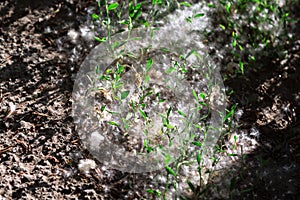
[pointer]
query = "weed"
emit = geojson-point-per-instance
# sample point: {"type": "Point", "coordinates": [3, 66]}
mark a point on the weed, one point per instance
{"type": "Point", "coordinates": [136, 96]}
{"type": "Point", "coordinates": [253, 25]}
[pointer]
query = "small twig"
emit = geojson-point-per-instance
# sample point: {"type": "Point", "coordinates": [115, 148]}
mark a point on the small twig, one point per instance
{"type": "Point", "coordinates": [5, 149]}
{"type": "Point", "coordinates": [5, 60]}
{"type": "Point", "coordinates": [41, 114]}
{"type": "Point", "coordinates": [23, 144]}
{"type": "Point", "coordinates": [75, 141]}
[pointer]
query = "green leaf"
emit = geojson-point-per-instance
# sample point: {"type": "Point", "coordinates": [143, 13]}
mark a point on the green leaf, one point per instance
{"type": "Point", "coordinates": [146, 24]}
{"type": "Point", "coordinates": [117, 77]}
{"type": "Point", "coordinates": [120, 68]}
{"type": "Point", "coordinates": [149, 149]}
{"type": "Point", "coordinates": [102, 108]}
{"type": "Point", "coordinates": [190, 53]}
{"type": "Point", "coordinates": [148, 93]}
{"type": "Point", "coordinates": [230, 113]}
{"type": "Point", "coordinates": [188, 19]}
{"type": "Point", "coordinates": [198, 158]}
{"type": "Point", "coordinates": [147, 78]}
{"type": "Point", "coordinates": [111, 112]}
{"type": "Point", "coordinates": [132, 105]}
{"type": "Point", "coordinates": [138, 6]}
{"type": "Point", "coordinates": [149, 64]}
{"type": "Point", "coordinates": [169, 111]}
{"type": "Point", "coordinates": [168, 71]}
{"type": "Point", "coordinates": [228, 7]}
{"type": "Point", "coordinates": [241, 66]}
{"type": "Point", "coordinates": [202, 95]}
{"type": "Point", "coordinates": [124, 94]}
{"type": "Point", "coordinates": [198, 144]}
{"type": "Point", "coordinates": [97, 70]}
{"type": "Point", "coordinates": [197, 126]}
{"type": "Point", "coordinates": [119, 85]}
{"type": "Point", "coordinates": [94, 16]}
{"type": "Point", "coordinates": [136, 15]}
{"type": "Point", "coordinates": [195, 95]}
{"type": "Point", "coordinates": [167, 159]}
{"type": "Point", "coordinates": [185, 4]}
{"type": "Point", "coordinates": [232, 154]}
{"type": "Point", "coordinates": [100, 39]}
{"type": "Point", "coordinates": [170, 171]}
{"type": "Point", "coordinates": [151, 191]}
{"type": "Point", "coordinates": [156, 192]}
{"type": "Point", "coordinates": [191, 185]}
{"type": "Point", "coordinates": [126, 126]}
{"type": "Point", "coordinates": [103, 77]}
{"type": "Point", "coordinates": [113, 123]}
{"type": "Point", "coordinates": [116, 45]}
{"type": "Point", "coordinates": [181, 113]}
{"type": "Point", "coordinates": [198, 15]}
{"type": "Point", "coordinates": [164, 119]}
{"type": "Point", "coordinates": [234, 34]}
{"type": "Point", "coordinates": [202, 103]}
{"type": "Point", "coordinates": [211, 5]}
{"type": "Point", "coordinates": [143, 114]}
{"type": "Point", "coordinates": [169, 126]}
{"type": "Point", "coordinates": [222, 26]}
{"type": "Point", "coordinates": [165, 50]}
{"type": "Point", "coordinates": [113, 6]}
{"type": "Point", "coordinates": [234, 42]}
{"type": "Point", "coordinates": [158, 2]}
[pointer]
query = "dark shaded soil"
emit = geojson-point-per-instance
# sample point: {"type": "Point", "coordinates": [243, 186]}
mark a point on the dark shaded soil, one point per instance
{"type": "Point", "coordinates": [39, 149]}
{"type": "Point", "coordinates": [270, 96]}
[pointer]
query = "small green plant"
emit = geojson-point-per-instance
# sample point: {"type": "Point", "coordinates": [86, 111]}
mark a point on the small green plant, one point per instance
{"type": "Point", "coordinates": [132, 110]}
{"type": "Point", "coordinates": [123, 108]}
{"type": "Point", "coordinates": [159, 131]}
{"type": "Point", "coordinates": [252, 24]}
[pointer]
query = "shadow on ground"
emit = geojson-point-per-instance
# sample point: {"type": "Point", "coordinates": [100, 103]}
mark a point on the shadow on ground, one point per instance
{"type": "Point", "coordinates": [269, 95]}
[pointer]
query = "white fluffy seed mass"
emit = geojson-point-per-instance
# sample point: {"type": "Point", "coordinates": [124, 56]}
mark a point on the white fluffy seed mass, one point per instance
{"type": "Point", "coordinates": [85, 165]}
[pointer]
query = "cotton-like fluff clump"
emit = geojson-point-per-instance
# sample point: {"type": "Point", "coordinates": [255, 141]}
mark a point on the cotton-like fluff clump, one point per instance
{"type": "Point", "coordinates": [86, 165]}
{"type": "Point", "coordinates": [87, 33]}
{"type": "Point", "coordinates": [182, 34]}
{"type": "Point", "coordinates": [177, 35]}
{"type": "Point", "coordinates": [254, 132]}
{"type": "Point", "coordinates": [73, 35]}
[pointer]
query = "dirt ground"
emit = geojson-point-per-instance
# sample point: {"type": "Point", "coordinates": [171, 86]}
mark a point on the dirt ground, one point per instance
{"type": "Point", "coordinates": [40, 150]}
